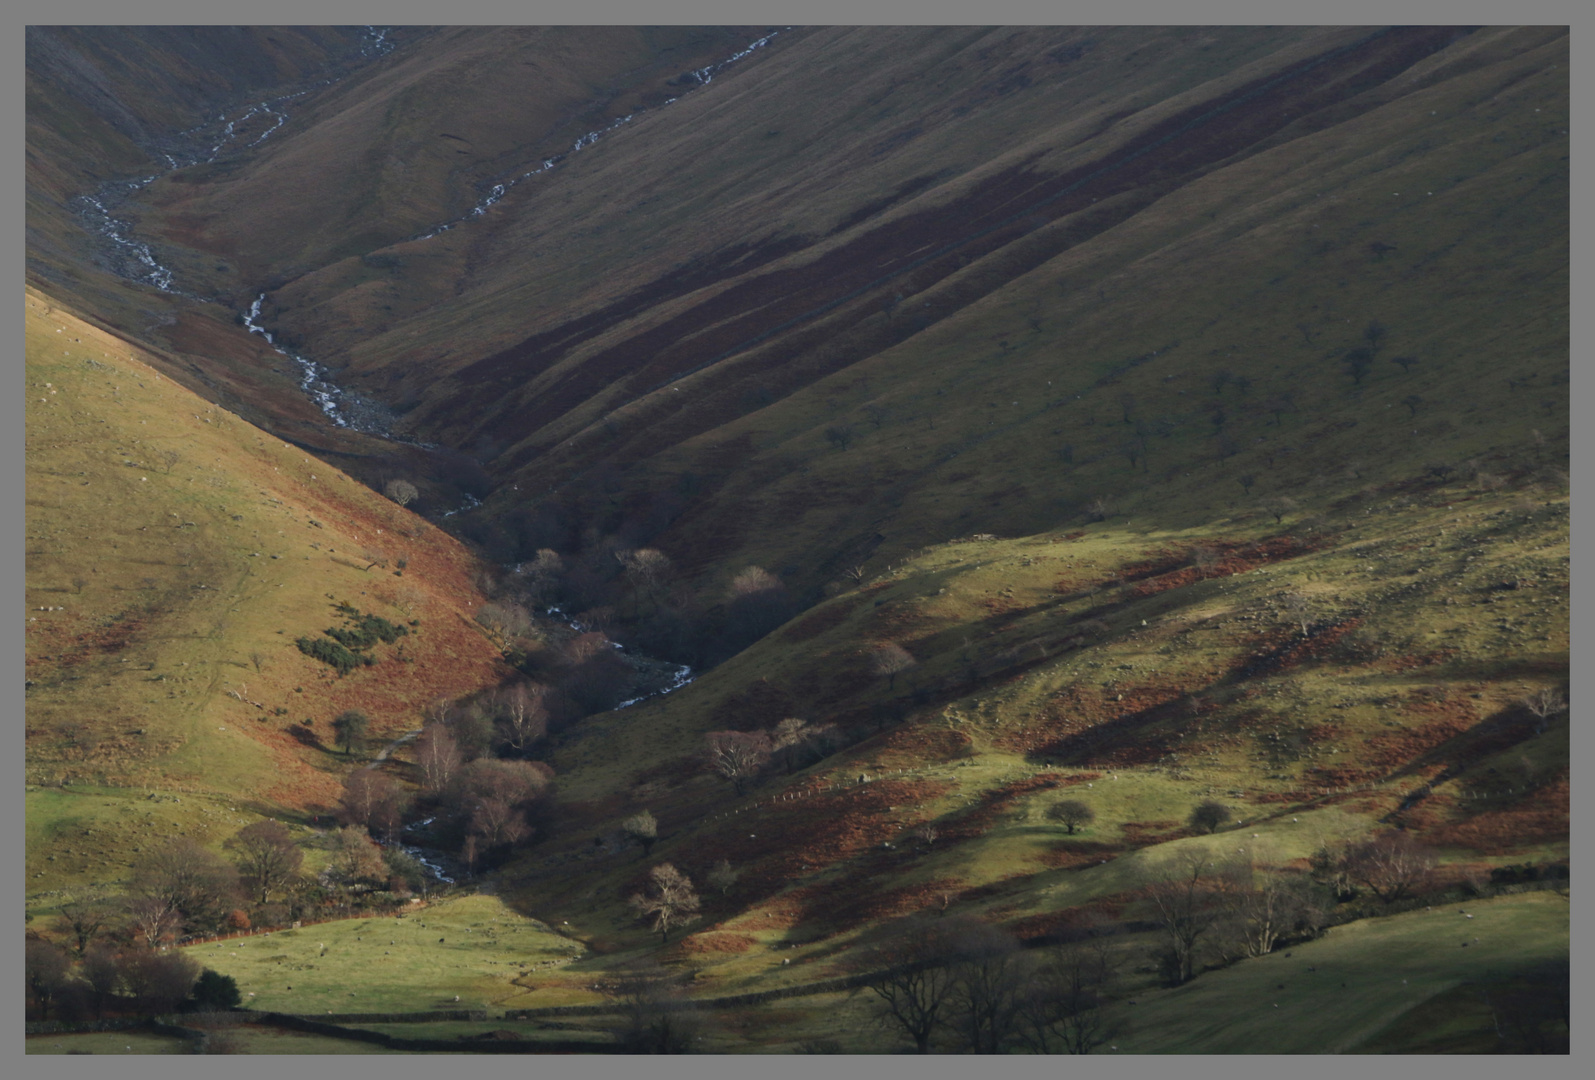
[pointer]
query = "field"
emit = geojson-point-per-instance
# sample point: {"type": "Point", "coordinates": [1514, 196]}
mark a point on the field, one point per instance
{"type": "Point", "coordinates": [473, 948]}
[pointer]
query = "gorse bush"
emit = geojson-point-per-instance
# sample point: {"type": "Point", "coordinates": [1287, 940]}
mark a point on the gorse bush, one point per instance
{"type": "Point", "coordinates": [332, 654]}
{"type": "Point", "coordinates": [346, 648]}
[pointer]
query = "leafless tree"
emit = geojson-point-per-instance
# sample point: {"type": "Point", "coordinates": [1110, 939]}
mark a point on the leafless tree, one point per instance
{"type": "Point", "coordinates": [84, 919]}
{"type": "Point", "coordinates": [1064, 1008]}
{"type": "Point", "coordinates": [356, 861]}
{"type": "Point", "coordinates": [669, 902]}
{"type": "Point", "coordinates": [1187, 907]}
{"type": "Point", "coordinates": [1205, 558]}
{"type": "Point", "coordinates": [912, 982]}
{"type": "Point", "coordinates": [657, 1018]}
{"type": "Point", "coordinates": [642, 829]}
{"type": "Point", "coordinates": [170, 458]}
{"type": "Point", "coordinates": [371, 800]}
{"type": "Point", "coordinates": [1071, 814]}
{"type": "Point", "coordinates": [505, 618]}
{"type": "Point", "coordinates": [267, 857]}
{"type": "Point", "coordinates": [1265, 906]}
{"type": "Point", "coordinates": [840, 435]}
{"type": "Point", "coordinates": [1392, 864]}
{"type": "Point", "coordinates": [438, 756]}
{"type": "Point", "coordinates": [790, 734]}
{"type": "Point", "coordinates": [497, 822]}
{"type": "Point", "coordinates": [988, 987]}
{"type": "Point", "coordinates": [374, 556]}
{"type": "Point", "coordinates": [890, 659]}
{"type": "Point", "coordinates": [400, 491]}
{"type": "Point", "coordinates": [647, 572]}
{"type": "Point", "coordinates": [185, 878]}
{"type": "Point", "coordinates": [1298, 609]}
{"type": "Point", "coordinates": [543, 576]}
{"type": "Point", "coordinates": [525, 714]}
{"type": "Point", "coordinates": [101, 972]}
{"type": "Point", "coordinates": [737, 755]}
{"type": "Point", "coordinates": [159, 982]}
{"type": "Point", "coordinates": [1544, 704]}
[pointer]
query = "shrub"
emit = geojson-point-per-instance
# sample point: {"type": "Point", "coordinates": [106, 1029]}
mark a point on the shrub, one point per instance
{"type": "Point", "coordinates": [1209, 816]}
{"type": "Point", "coordinates": [214, 991]}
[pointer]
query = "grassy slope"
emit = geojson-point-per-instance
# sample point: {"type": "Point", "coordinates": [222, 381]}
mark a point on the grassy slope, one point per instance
{"type": "Point", "coordinates": [470, 946]}
{"type": "Point", "coordinates": [418, 139]}
{"type": "Point", "coordinates": [1368, 975]}
{"type": "Point", "coordinates": [155, 591]}
{"type": "Point", "coordinates": [1216, 276]}
{"type": "Point", "coordinates": [1411, 678]}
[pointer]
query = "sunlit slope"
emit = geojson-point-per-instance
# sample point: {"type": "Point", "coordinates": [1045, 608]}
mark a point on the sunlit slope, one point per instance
{"type": "Point", "coordinates": [174, 555]}
{"type": "Point", "coordinates": [1322, 681]}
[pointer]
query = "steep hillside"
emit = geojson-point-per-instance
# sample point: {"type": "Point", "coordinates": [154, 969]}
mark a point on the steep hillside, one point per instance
{"type": "Point", "coordinates": [1075, 241]}
{"type": "Point", "coordinates": [175, 554]}
{"type": "Point", "coordinates": [1012, 410]}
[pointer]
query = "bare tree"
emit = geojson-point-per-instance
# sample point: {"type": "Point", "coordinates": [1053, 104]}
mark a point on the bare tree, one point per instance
{"type": "Point", "coordinates": [840, 435]}
{"type": "Point", "coordinates": [790, 735]}
{"type": "Point", "coordinates": [1206, 559]}
{"type": "Point", "coordinates": [913, 983]}
{"type": "Point", "coordinates": [152, 918]}
{"type": "Point", "coordinates": [525, 714]}
{"type": "Point", "coordinates": [356, 861]}
{"type": "Point", "coordinates": [890, 659]}
{"type": "Point", "coordinates": [1187, 907]}
{"type": "Point", "coordinates": [400, 491]}
{"type": "Point", "coordinates": [438, 756]}
{"type": "Point", "coordinates": [371, 800]}
{"type": "Point", "coordinates": [159, 982]}
{"type": "Point", "coordinates": [1374, 334]}
{"type": "Point", "coordinates": [185, 878]}
{"type": "Point", "coordinates": [670, 901]}
{"type": "Point", "coordinates": [737, 755]}
{"type": "Point", "coordinates": [1265, 906]}
{"type": "Point", "coordinates": [647, 572]}
{"type": "Point", "coordinates": [1544, 704]}
{"type": "Point", "coordinates": [642, 829]}
{"type": "Point", "coordinates": [1404, 362]}
{"type": "Point", "coordinates": [170, 458]}
{"type": "Point", "coordinates": [1298, 609]}
{"type": "Point", "coordinates": [85, 919]}
{"type": "Point", "coordinates": [267, 857]}
{"type": "Point", "coordinates": [657, 1018]}
{"type": "Point", "coordinates": [497, 822]}
{"type": "Point", "coordinates": [1071, 814]}
{"type": "Point", "coordinates": [1391, 864]}
{"type": "Point", "coordinates": [988, 987]}
{"type": "Point", "coordinates": [1064, 1007]}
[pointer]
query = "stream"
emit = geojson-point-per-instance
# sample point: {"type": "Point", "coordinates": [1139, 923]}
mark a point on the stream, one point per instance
{"type": "Point", "coordinates": [204, 143]}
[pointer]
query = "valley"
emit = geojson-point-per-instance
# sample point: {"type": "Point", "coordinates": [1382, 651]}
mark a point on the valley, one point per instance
{"type": "Point", "coordinates": [788, 521]}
